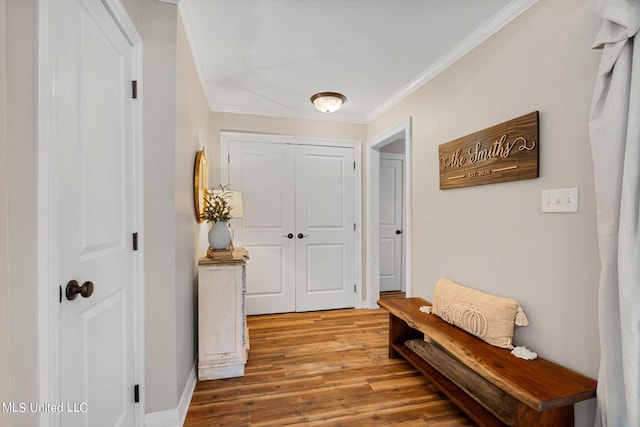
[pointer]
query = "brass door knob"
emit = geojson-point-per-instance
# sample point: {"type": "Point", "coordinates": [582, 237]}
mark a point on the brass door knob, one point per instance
{"type": "Point", "coordinates": [73, 289]}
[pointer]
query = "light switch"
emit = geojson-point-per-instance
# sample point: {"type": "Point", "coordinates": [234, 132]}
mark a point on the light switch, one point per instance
{"type": "Point", "coordinates": [560, 200]}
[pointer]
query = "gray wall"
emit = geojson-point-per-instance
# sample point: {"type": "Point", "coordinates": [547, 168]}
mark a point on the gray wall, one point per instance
{"type": "Point", "coordinates": [21, 27]}
{"type": "Point", "coordinates": [158, 29]}
{"type": "Point", "coordinates": [193, 132]}
{"type": "Point", "coordinates": [494, 237]}
{"type": "Point", "coordinates": [5, 395]}
{"type": "Point", "coordinates": [396, 147]}
{"type": "Point", "coordinates": [175, 127]}
{"type": "Point", "coordinates": [169, 269]}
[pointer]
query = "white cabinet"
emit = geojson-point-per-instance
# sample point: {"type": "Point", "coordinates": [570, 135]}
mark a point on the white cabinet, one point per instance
{"type": "Point", "coordinates": [223, 339]}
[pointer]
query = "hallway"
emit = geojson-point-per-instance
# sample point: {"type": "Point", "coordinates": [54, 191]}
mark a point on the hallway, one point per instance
{"type": "Point", "coordinates": [322, 368]}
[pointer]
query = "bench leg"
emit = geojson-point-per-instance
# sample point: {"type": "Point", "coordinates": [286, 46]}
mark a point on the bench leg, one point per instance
{"type": "Point", "coordinates": [399, 333]}
{"type": "Point", "coordinates": [526, 416]}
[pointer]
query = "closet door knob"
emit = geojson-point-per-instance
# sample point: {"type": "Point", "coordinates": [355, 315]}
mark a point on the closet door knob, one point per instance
{"type": "Point", "coordinates": [288, 236]}
{"type": "Point", "coordinates": [302, 236]}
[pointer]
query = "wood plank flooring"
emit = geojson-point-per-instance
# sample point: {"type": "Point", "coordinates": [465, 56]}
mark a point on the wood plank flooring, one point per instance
{"type": "Point", "coordinates": [392, 294]}
{"type": "Point", "coordinates": [327, 368]}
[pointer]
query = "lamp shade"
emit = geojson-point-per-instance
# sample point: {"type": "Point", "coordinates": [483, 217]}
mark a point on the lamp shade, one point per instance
{"type": "Point", "coordinates": [328, 102]}
{"type": "Point", "coordinates": [235, 202]}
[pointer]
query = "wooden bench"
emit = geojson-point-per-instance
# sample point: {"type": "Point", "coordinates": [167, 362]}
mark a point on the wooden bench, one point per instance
{"type": "Point", "coordinates": [491, 385]}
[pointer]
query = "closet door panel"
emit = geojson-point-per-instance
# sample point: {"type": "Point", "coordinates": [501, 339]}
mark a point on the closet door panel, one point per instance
{"type": "Point", "coordinates": [325, 217]}
{"type": "Point", "coordinates": [265, 175]}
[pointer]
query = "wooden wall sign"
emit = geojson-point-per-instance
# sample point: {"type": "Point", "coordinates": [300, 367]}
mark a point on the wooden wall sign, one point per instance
{"type": "Point", "coordinates": [501, 153]}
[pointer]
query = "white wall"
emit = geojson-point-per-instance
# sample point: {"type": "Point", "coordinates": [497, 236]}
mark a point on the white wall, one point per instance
{"type": "Point", "coordinates": [5, 390]}
{"type": "Point", "coordinates": [494, 237]}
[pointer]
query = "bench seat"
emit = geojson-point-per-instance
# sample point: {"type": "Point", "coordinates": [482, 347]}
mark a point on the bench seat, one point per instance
{"type": "Point", "coordinates": [491, 385]}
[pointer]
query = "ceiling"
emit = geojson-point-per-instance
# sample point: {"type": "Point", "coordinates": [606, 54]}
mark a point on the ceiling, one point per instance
{"type": "Point", "coordinates": [268, 57]}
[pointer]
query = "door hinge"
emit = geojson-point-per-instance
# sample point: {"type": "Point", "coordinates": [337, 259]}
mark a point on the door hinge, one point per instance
{"type": "Point", "coordinates": [134, 89]}
{"type": "Point", "coordinates": [135, 241]}
{"type": "Point", "coordinates": [354, 226]}
{"type": "Point", "coordinates": [354, 165]}
{"type": "Point", "coordinates": [136, 393]}
{"type": "Point", "coordinates": [229, 158]}
{"type": "Point", "coordinates": [60, 296]}
{"type": "Point", "coordinates": [355, 287]}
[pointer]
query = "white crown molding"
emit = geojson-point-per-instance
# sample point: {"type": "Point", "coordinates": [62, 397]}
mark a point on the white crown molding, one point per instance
{"type": "Point", "coordinates": [508, 14]}
{"type": "Point", "coordinates": [170, 1]}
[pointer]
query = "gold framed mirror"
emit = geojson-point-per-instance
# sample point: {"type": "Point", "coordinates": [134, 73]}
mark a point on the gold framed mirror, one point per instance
{"type": "Point", "coordinates": [200, 184]}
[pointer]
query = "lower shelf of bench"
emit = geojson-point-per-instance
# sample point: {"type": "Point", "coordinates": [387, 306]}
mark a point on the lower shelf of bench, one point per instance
{"type": "Point", "coordinates": [472, 408]}
{"type": "Point", "coordinates": [522, 414]}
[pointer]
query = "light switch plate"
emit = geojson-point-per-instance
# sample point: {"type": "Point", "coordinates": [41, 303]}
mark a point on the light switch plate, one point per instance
{"type": "Point", "coordinates": [560, 200]}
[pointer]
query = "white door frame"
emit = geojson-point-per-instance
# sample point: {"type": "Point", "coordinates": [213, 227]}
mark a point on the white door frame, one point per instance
{"type": "Point", "coordinates": [227, 137]}
{"type": "Point", "coordinates": [372, 183]}
{"type": "Point", "coordinates": [48, 290]}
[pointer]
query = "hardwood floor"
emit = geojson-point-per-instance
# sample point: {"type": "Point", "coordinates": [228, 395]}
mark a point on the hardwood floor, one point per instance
{"type": "Point", "coordinates": [392, 294]}
{"type": "Point", "coordinates": [326, 368]}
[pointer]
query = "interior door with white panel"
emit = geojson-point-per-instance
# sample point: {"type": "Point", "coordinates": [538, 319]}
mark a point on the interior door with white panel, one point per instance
{"type": "Point", "coordinates": [298, 224]}
{"type": "Point", "coordinates": [265, 175]}
{"type": "Point", "coordinates": [325, 228]}
{"type": "Point", "coordinates": [94, 210]}
{"type": "Point", "coordinates": [391, 202]}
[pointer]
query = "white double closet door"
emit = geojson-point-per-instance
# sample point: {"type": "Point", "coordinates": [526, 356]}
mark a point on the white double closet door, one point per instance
{"type": "Point", "coordinates": [298, 225]}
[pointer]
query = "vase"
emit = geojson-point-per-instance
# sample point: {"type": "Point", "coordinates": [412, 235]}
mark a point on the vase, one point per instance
{"type": "Point", "coordinates": [219, 236]}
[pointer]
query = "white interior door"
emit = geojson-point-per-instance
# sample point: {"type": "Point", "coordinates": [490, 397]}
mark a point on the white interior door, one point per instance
{"type": "Point", "coordinates": [265, 175]}
{"type": "Point", "coordinates": [391, 202]}
{"type": "Point", "coordinates": [325, 220]}
{"type": "Point", "coordinates": [94, 211]}
{"type": "Point", "coordinates": [289, 191]}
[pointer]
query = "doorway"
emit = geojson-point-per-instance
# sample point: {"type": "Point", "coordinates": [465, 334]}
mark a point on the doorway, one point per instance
{"type": "Point", "coordinates": [401, 131]}
{"type": "Point", "coordinates": [89, 207]}
{"type": "Point", "coordinates": [392, 159]}
{"type": "Point", "coordinates": [300, 222]}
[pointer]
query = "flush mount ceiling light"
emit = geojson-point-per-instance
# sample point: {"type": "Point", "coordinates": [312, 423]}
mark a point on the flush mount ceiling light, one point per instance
{"type": "Point", "coordinates": [328, 102]}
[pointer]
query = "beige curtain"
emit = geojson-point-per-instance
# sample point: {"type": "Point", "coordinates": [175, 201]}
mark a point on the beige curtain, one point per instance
{"type": "Point", "coordinates": [614, 129]}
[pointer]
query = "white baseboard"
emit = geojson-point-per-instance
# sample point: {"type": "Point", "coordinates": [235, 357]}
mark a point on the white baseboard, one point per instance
{"type": "Point", "coordinates": [175, 417]}
{"type": "Point", "coordinates": [187, 393]}
{"type": "Point", "coordinates": [170, 418]}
